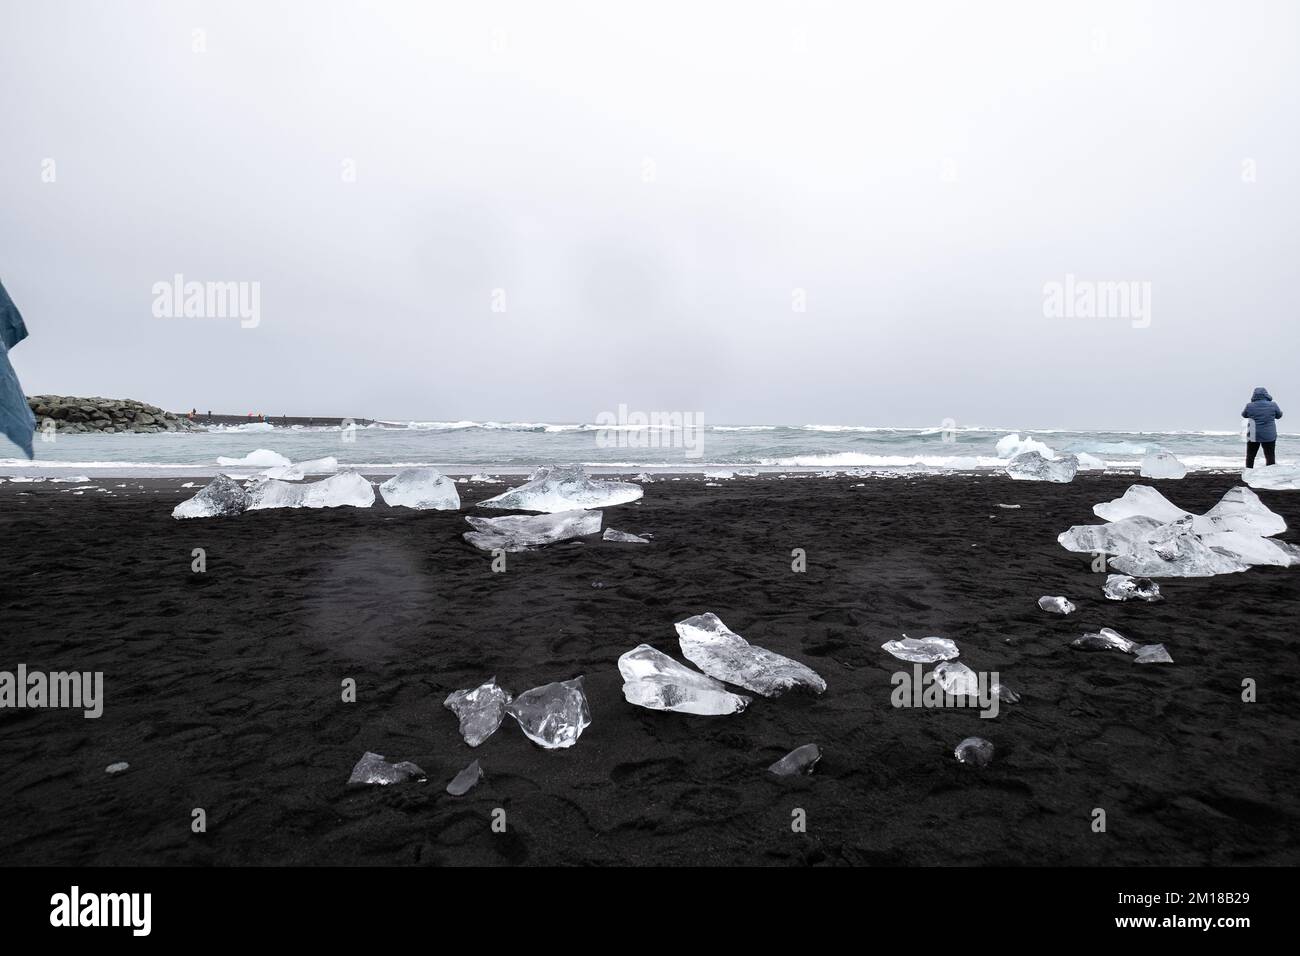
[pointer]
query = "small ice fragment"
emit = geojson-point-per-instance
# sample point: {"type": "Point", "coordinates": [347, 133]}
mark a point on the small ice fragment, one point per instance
{"type": "Point", "coordinates": [1107, 639]}
{"type": "Point", "coordinates": [482, 479]}
{"type": "Point", "coordinates": [1032, 466]}
{"type": "Point", "coordinates": [520, 532]}
{"type": "Point", "coordinates": [975, 751]}
{"type": "Point", "coordinates": [922, 650]}
{"type": "Point", "coordinates": [957, 679]}
{"type": "Point", "coordinates": [1005, 693]}
{"type": "Point", "coordinates": [480, 710]}
{"type": "Point", "coordinates": [720, 475]}
{"type": "Point", "coordinates": [747, 473]}
{"type": "Point", "coordinates": [1057, 605]}
{"type": "Point", "coordinates": [220, 497]}
{"type": "Point", "coordinates": [466, 780]}
{"type": "Point", "coordinates": [718, 651]}
{"type": "Point", "coordinates": [347, 489]}
{"type": "Point", "coordinates": [623, 536]}
{"type": "Point", "coordinates": [1000, 505]}
{"type": "Point", "coordinates": [644, 478]}
{"type": "Point", "coordinates": [1162, 464]}
{"type": "Point", "coordinates": [115, 768]}
{"type": "Point", "coordinates": [1124, 587]}
{"type": "Point", "coordinates": [801, 760]}
{"type": "Point", "coordinates": [373, 768]}
{"type": "Point", "coordinates": [424, 489]}
{"type": "Point", "coordinates": [554, 489]}
{"type": "Point", "coordinates": [1152, 654]}
{"type": "Point", "coordinates": [654, 680]}
{"type": "Point", "coordinates": [553, 715]}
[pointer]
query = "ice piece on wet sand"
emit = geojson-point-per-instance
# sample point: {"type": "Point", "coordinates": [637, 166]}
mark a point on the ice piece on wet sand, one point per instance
{"type": "Point", "coordinates": [347, 489]}
{"type": "Point", "coordinates": [1115, 537]}
{"type": "Point", "coordinates": [1140, 500]}
{"type": "Point", "coordinates": [262, 458]}
{"type": "Point", "coordinates": [1004, 693]}
{"type": "Point", "coordinates": [747, 473]}
{"type": "Point", "coordinates": [1175, 550]}
{"type": "Point", "coordinates": [425, 489]}
{"type": "Point", "coordinates": [285, 473]}
{"type": "Point", "coordinates": [220, 497]}
{"type": "Point", "coordinates": [715, 649]}
{"type": "Point", "coordinates": [553, 715]}
{"type": "Point", "coordinates": [957, 679]}
{"type": "Point", "coordinates": [1240, 510]}
{"type": "Point", "coordinates": [653, 679]}
{"type": "Point", "coordinates": [1152, 654]}
{"type": "Point", "coordinates": [466, 780]}
{"type": "Point", "coordinates": [1123, 587]}
{"type": "Point", "coordinates": [922, 650]}
{"type": "Point", "coordinates": [975, 751]}
{"type": "Point", "coordinates": [1107, 639]}
{"type": "Point", "coordinates": [373, 768]}
{"type": "Point", "coordinates": [720, 475]}
{"type": "Point", "coordinates": [1251, 549]}
{"type": "Point", "coordinates": [623, 536]}
{"type": "Point", "coordinates": [1000, 505]}
{"type": "Point", "coordinates": [480, 710]}
{"type": "Point", "coordinates": [1031, 466]}
{"type": "Point", "coordinates": [114, 769]}
{"type": "Point", "coordinates": [521, 532]}
{"type": "Point", "coordinates": [1161, 464]}
{"type": "Point", "coordinates": [556, 489]}
{"type": "Point", "coordinates": [1090, 462]}
{"type": "Point", "coordinates": [1057, 605]}
{"type": "Point", "coordinates": [801, 760]}
{"type": "Point", "coordinates": [1273, 477]}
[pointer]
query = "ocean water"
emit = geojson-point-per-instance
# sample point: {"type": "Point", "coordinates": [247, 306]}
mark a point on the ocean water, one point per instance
{"type": "Point", "coordinates": [467, 447]}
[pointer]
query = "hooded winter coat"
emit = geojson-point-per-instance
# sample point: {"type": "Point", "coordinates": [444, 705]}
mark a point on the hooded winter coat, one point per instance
{"type": "Point", "coordinates": [1264, 412]}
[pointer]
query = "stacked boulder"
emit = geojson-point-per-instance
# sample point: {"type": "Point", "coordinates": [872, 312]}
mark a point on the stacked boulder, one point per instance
{"type": "Point", "coordinates": [71, 414]}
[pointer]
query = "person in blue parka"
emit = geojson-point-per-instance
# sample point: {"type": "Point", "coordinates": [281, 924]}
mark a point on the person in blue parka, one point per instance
{"type": "Point", "coordinates": [1262, 427]}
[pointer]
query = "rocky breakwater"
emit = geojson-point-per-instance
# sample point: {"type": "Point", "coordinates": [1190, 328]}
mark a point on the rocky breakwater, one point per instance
{"type": "Point", "coordinates": [70, 414]}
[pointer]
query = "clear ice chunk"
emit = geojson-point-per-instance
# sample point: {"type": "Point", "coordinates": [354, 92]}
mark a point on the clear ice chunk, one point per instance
{"type": "Point", "coordinates": [1273, 477]}
{"type": "Point", "coordinates": [1107, 639]}
{"type": "Point", "coordinates": [801, 760]}
{"type": "Point", "coordinates": [1161, 464]}
{"type": "Point", "coordinates": [553, 715]}
{"type": "Point", "coordinates": [1124, 587]}
{"type": "Point", "coordinates": [1032, 466]}
{"type": "Point", "coordinates": [1252, 549]}
{"type": "Point", "coordinates": [373, 768]}
{"type": "Point", "coordinates": [425, 489]}
{"type": "Point", "coordinates": [1055, 604]}
{"type": "Point", "coordinates": [466, 780]}
{"type": "Point", "coordinates": [1175, 550]}
{"type": "Point", "coordinates": [1152, 654]}
{"type": "Point", "coordinates": [975, 751]}
{"type": "Point", "coordinates": [554, 489]}
{"type": "Point", "coordinates": [480, 710]}
{"type": "Point", "coordinates": [653, 679]}
{"type": "Point", "coordinates": [520, 532]}
{"type": "Point", "coordinates": [262, 458]}
{"type": "Point", "coordinates": [1240, 510]}
{"type": "Point", "coordinates": [220, 497]}
{"type": "Point", "coordinates": [1115, 537]}
{"type": "Point", "coordinates": [1140, 500]}
{"type": "Point", "coordinates": [922, 650]}
{"type": "Point", "coordinates": [718, 651]}
{"type": "Point", "coordinates": [347, 489]}
{"type": "Point", "coordinates": [957, 679]}
{"type": "Point", "coordinates": [623, 536]}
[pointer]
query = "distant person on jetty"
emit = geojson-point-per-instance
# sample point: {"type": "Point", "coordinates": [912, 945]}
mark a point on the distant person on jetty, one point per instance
{"type": "Point", "coordinates": [1262, 430]}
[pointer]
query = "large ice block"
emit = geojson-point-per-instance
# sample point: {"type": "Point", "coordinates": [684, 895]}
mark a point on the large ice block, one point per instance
{"type": "Point", "coordinates": [718, 651]}
{"type": "Point", "coordinates": [520, 532]}
{"type": "Point", "coordinates": [1175, 550]}
{"type": "Point", "coordinates": [1115, 537]}
{"type": "Point", "coordinates": [1273, 477]}
{"type": "Point", "coordinates": [1161, 464]}
{"type": "Point", "coordinates": [347, 489]}
{"type": "Point", "coordinates": [553, 715]}
{"type": "Point", "coordinates": [1032, 466]}
{"type": "Point", "coordinates": [553, 489]}
{"type": "Point", "coordinates": [425, 489]}
{"type": "Point", "coordinates": [654, 680]}
{"type": "Point", "coordinates": [1252, 549]}
{"type": "Point", "coordinates": [1240, 510]}
{"type": "Point", "coordinates": [1140, 500]}
{"type": "Point", "coordinates": [220, 497]}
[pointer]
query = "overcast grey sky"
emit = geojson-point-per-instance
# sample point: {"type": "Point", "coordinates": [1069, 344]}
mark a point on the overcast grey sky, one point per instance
{"type": "Point", "coordinates": [651, 185]}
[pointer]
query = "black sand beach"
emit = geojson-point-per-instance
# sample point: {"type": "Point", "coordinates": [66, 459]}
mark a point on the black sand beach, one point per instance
{"type": "Point", "coordinates": [223, 688]}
